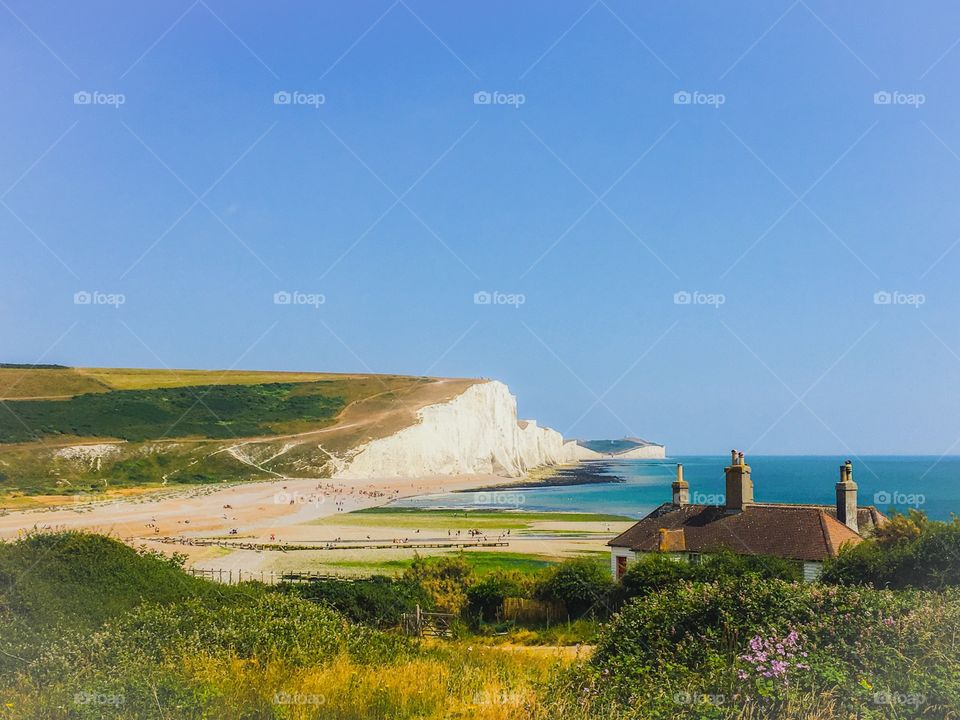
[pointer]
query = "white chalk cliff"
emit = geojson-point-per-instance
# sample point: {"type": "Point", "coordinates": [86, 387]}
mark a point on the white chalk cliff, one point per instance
{"type": "Point", "coordinates": [476, 432]}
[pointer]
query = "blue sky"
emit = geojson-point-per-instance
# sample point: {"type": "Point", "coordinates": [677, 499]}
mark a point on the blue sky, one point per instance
{"type": "Point", "coordinates": [780, 200]}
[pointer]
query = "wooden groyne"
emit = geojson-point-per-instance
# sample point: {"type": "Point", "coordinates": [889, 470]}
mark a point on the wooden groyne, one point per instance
{"type": "Point", "coordinates": [291, 547]}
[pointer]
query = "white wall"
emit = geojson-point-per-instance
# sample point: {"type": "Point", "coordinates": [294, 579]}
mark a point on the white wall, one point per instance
{"type": "Point", "coordinates": [811, 571]}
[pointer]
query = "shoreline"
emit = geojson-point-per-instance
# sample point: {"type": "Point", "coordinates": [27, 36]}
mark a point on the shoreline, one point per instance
{"type": "Point", "coordinates": [589, 472]}
{"type": "Point", "coordinates": [265, 516]}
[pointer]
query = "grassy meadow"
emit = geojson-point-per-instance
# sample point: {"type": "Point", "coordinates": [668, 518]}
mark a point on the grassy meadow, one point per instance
{"type": "Point", "coordinates": [90, 628]}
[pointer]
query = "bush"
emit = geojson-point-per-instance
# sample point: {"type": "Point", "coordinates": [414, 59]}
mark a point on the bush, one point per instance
{"type": "Point", "coordinates": [909, 552]}
{"type": "Point", "coordinates": [584, 586]}
{"type": "Point", "coordinates": [444, 581]}
{"type": "Point", "coordinates": [658, 571]}
{"type": "Point", "coordinates": [768, 643]}
{"type": "Point", "coordinates": [486, 595]}
{"type": "Point", "coordinates": [376, 601]}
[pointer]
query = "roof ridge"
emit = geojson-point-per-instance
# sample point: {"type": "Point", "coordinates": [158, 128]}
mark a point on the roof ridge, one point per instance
{"type": "Point", "coordinates": [826, 534]}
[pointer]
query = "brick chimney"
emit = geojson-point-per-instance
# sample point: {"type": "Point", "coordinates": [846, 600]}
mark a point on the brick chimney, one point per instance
{"type": "Point", "coordinates": [847, 497]}
{"type": "Point", "coordinates": [681, 489]}
{"type": "Point", "coordinates": [739, 484]}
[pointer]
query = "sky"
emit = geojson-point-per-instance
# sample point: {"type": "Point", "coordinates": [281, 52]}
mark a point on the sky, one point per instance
{"type": "Point", "coordinates": [711, 225]}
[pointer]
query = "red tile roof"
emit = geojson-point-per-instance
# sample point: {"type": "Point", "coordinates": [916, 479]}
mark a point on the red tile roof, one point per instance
{"type": "Point", "coordinates": [796, 532]}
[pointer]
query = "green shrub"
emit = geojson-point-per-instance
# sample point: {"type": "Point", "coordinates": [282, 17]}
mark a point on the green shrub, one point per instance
{"type": "Point", "coordinates": [909, 552]}
{"type": "Point", "coordinates": [583, 585]}
{"type": "Point", "coordinates": [853, 645]}
{"type": "Point", "coordinates": [658, 571]}
{"type": "Point", "coordinates": [486, 595]}
{"type": "Point", "coordinates": [444, 580]}
{"type": "Point", "coordinates": [377, 601]}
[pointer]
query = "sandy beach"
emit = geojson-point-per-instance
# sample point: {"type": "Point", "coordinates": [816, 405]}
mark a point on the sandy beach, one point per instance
{"type": "Point", "coordinates": [306, 512]}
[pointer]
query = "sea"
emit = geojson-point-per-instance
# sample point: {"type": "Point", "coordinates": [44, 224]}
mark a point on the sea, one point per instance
{"type": "Point", "coordinates": [927, 483]}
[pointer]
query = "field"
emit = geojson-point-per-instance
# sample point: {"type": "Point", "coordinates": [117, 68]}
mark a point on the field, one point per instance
{"type": "Point", "coordinates": [65, 431]}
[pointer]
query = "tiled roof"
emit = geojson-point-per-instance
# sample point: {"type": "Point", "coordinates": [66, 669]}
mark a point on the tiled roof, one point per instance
{"type": "Point", "coordinates": [796, 532]}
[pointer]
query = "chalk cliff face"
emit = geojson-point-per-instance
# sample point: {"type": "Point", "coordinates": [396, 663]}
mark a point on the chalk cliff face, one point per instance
{"type": "Point", "coordinates": [476, 432]}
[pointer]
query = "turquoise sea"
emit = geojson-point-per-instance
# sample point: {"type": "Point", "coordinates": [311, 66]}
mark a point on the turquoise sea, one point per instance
{"type": "Point", "coordinates": [928, 483]}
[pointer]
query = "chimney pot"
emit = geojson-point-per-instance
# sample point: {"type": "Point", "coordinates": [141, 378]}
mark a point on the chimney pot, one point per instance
{"type": "Point", "coordinates": [681, 489]}
{"type": "Point", "coordinates": [739, 484]}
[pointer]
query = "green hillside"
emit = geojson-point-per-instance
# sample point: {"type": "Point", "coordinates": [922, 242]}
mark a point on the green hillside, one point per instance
{"type": "Point", "coordinates": [209, 411]}
{"type": "Point", "coordinates": [69, 431]}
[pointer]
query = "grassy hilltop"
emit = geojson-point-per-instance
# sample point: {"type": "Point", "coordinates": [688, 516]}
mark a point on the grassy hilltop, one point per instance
{"type": "Point", "coordinates": [67, 430]}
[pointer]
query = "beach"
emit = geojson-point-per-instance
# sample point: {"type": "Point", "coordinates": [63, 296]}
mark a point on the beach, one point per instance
{"type": "Point", "coordinates": [251, 527]}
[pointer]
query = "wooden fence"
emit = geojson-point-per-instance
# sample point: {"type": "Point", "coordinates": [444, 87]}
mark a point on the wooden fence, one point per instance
{"type": "Point", "coordinates": [420, 624]}
{"type": "Point", "coordinates": [232, 577]}
{"type": "Point", "coordinates": [321, 545]}
{"type": "Point", "coordinates": [524, 610]}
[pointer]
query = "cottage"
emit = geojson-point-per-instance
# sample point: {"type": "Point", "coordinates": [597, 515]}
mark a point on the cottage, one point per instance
{"type": "Point", "coordinates": [808, 534]}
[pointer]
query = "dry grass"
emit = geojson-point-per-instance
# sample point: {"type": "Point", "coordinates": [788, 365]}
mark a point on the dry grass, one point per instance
{"type": "Point", "coordinates": [21, 383]}
{"type": "Point", "coordinates": [458, 681]}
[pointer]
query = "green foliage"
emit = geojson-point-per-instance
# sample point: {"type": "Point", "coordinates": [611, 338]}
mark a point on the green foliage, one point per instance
{"type": "Point", "coordinates": [212, 411]}
{"type": "Point", "coordinates": [82, 615]}
{"type": "Point", "coordinates": [377, 601]}
{"type": "Point", "coordinates": [444, 580]}
{"type": "Point", "coordinates": [583, 585]}
{"type": "Point", "coordinates": [486, 595]}
{"type": "Point", "coordinates": [657, 571]}
{"type": "Point", "coordinates": [82, 579]}
{"type": "Point", "coordinates": [909, 552]}
{"type": "Point", "coordinates": [854, 645]}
